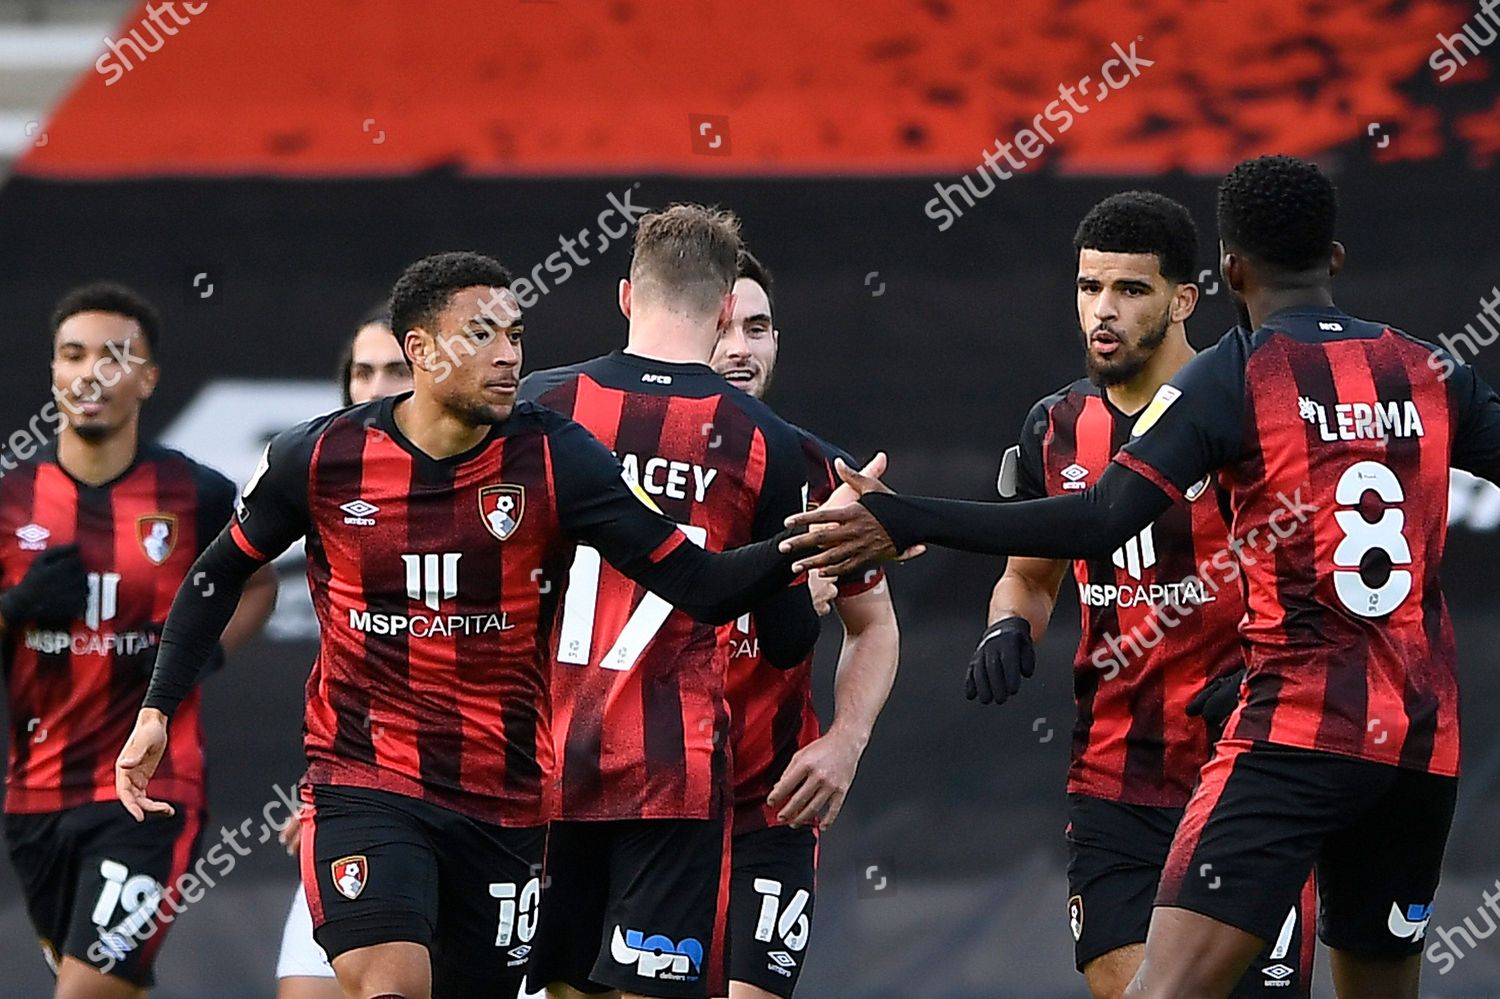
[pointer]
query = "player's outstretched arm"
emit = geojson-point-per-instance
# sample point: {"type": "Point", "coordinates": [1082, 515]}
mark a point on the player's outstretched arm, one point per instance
{"type": "Point", "coordinates": [597, 507]}
{"type": "Point", "coordinates": [190, 638]}
{"type": "Point", "coordinates": [254, 610]}
{"type": "Point", "coordinates": [1090, 524]}
{"type": "Point", "coordinates": [817, 779]}
{"type": "Point", "coordinates": [271, 513]}
{"type": "Point", "coordinates": [1020, 607]}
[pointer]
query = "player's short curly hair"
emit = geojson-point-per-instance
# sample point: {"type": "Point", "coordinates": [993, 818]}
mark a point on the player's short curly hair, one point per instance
{"type": "Point", "coordinates": [1279, 210]}
{"type": "Point", "coordinates": [424, 289]}
{"type": "Point", "coordinates": [116, 299]}
{"type": "Point", "coordinates": [748, 265]}
{"type": "Point", "coordinates": [1143, 222]}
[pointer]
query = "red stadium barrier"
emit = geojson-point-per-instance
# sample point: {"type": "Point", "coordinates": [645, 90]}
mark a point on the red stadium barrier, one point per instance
{"type": "Point", "coordinates": [781, 87]}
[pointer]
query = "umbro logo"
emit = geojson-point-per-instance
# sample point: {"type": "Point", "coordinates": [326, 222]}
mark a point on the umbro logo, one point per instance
{"type": "Point", "coordinates": [360, 513]}
{"type": "Point", "coordinates": [1075, 474]}
{"type": "Point", "coordinates": [1278, 972]}
{"type": "Point", "coordinates": [33, 537]}
{"type": "Point", "coordinates": [782, 963]}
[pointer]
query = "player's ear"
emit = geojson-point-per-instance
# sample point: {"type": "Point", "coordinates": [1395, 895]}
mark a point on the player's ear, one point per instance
{"type": "Point", "coordinates": [150, 375]}
{"type": "Point", "coordinates": [625, 297]}
{"type": "Point", "coordinates": [417, 346]}
{"type": "Point", "coordinates": [1335, 258]}
{"type": "Point", "coordinates": [1232, 269]}
{"type": "Point", "coordinates": [1184, 301]}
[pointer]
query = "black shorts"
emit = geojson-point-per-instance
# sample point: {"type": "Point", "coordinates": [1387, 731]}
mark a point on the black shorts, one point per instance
{"type": "Point", "coordinates": [634, 904]}
{"type": "Point", "coordinates": [1264, 815]}
{"type": "Point", "coordinates": [95, 881]}
{"type": "Point", "coordinates": [771, 891]}
{"type": "Point", "coordinates": [381, 868]}
{"type": "Point", "coordinates": [1116, 853]}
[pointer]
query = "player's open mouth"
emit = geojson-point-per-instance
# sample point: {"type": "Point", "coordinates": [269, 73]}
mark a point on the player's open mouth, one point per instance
{"type": "Point", "coordinates": [1104, 342]}
{"type": "Point", "coordinates": [739, 376]}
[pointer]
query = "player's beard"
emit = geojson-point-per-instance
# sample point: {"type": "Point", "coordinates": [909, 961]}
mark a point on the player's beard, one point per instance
{"type": "Point", "coordinates": [481, 413]}
{"type": "Point", "coordinates": [93, 432]}
{"type": "Point", "coordinates": [1131, 358]}
{"type": "Point", "coordinates": [765, 384]}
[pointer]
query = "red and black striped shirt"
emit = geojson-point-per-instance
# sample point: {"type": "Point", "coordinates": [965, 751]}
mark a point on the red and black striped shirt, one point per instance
{"type": "Point", "coordinates": [1158, 620]}
{"type": "Point", "coordinates": [639, 713]}
{"type": "Point", "coordinates": [1335, 436]}
{"type": "Point", "coordinates": [74, 692]}
{"type": "Point", "coordinates": [435, 583]}
{"type": "Point", "coordinates": [771, 710]}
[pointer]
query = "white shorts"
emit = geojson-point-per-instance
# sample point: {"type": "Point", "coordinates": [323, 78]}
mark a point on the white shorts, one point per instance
{"type": "Point", "coordinates": [301, 957]}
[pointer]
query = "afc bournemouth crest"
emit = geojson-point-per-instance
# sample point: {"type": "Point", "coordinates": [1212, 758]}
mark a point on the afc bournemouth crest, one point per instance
{"type": "Point", "coordinates": [501, 508]}
{"type": "Point", "coordinates": [1075, 916]}
{"type": "Point", "coordinates": [350, 874]}
{"type": "Point", "coordinates": [157, 533]}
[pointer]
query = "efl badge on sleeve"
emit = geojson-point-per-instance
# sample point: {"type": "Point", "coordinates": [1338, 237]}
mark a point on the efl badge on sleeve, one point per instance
{"type": "Point", "coordinates": [350, 874]}
{"type": "Point", "coordinates": [502, 507]}
{"type": "Point", "coordinates": [1159, 404]}
{"type": "Point", "coordinates": [157, 533]}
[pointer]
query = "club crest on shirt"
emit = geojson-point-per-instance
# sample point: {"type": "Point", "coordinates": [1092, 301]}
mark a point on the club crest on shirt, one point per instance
{"type": "Point", "coordinates": [350, 875]}
{"type": "Point", "coordinates": [157, 533]}
{"type": "Point", "coordinates": [501, 508]}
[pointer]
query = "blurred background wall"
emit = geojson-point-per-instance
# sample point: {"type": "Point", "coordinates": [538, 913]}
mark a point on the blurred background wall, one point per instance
{"type": "Point", "coordinates": [269, 169]}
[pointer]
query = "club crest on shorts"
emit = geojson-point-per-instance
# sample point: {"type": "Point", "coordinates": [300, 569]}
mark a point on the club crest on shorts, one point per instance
{"type": "Point", "coordinates": [350, 875]}
{"type": "Point", "coordinates": [501, 507]}
{"type": "Point", "coordinates": [157, 533]}
{"type": "Point", "coordinates": [1075, 917]}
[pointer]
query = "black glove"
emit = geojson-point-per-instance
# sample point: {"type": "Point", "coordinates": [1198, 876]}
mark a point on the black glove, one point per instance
{"type": "Point", "coordinates": [54, 590]}
{"type": "Point", "coordinates": [1217, 700]}
{"type": "Point", "coordinates": [1005, 655]}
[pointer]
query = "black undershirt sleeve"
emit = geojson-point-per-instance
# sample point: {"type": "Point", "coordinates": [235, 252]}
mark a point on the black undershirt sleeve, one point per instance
{"type": "Point", "coordinates": [597, 507]}
{"type": "Point", "coordinates": [1089, 524]}
{"type": "Point", "coordinates": [271, 513]}
{"type": "Point", "coordinates": [197, 619]}
{"type": "Point", "coordinates": [1189, 429]}
{"type": "Point", "coordinates": [717, 587]}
